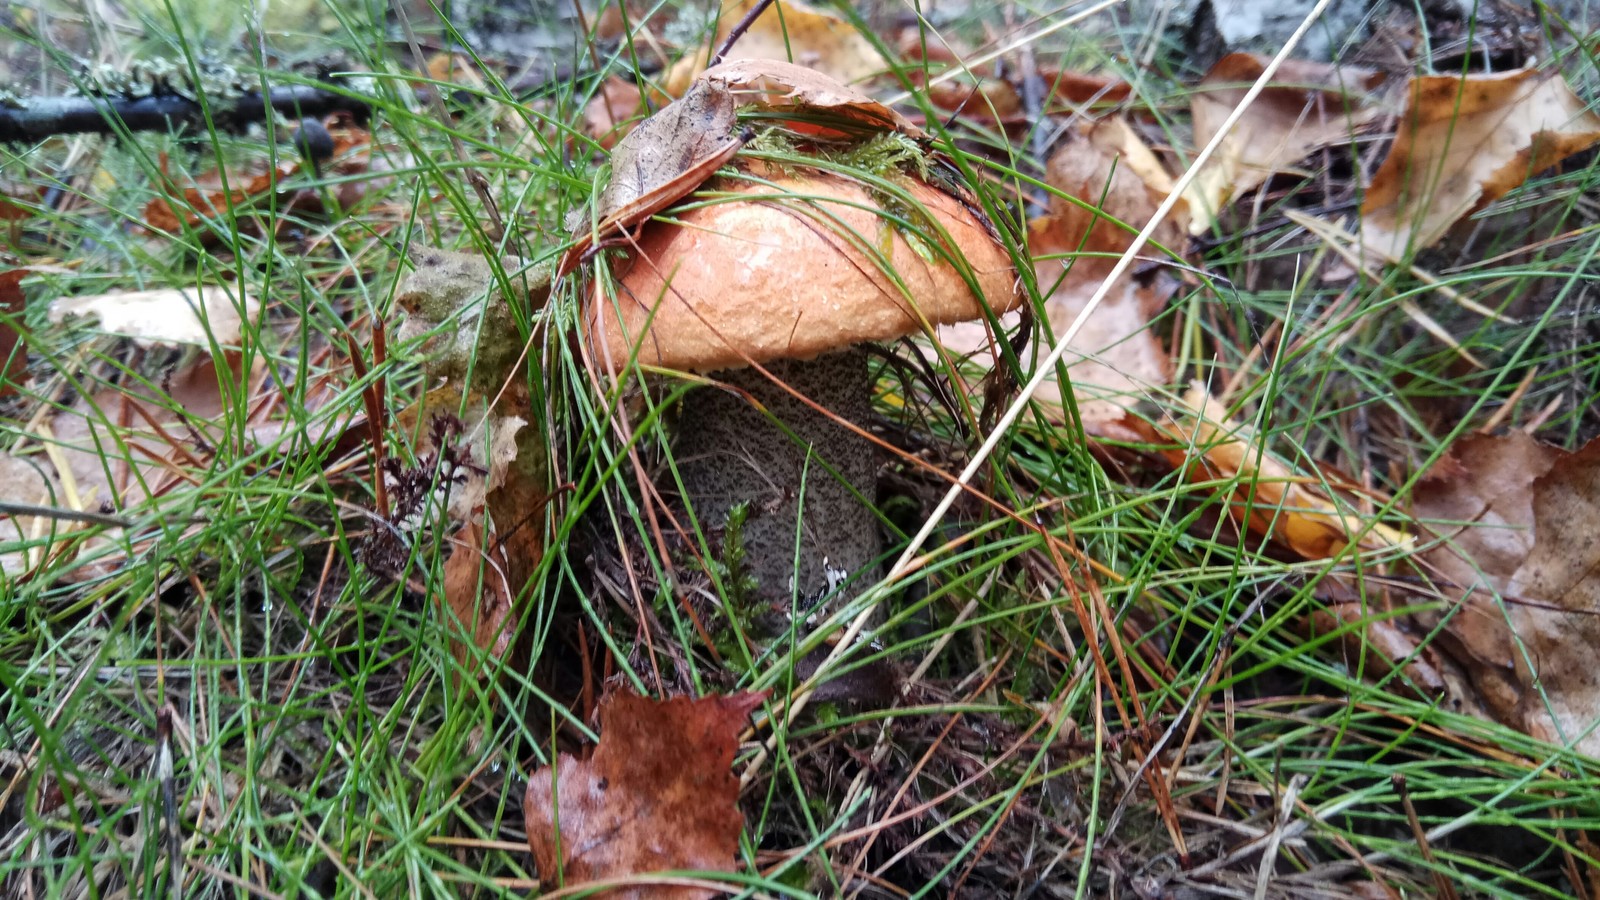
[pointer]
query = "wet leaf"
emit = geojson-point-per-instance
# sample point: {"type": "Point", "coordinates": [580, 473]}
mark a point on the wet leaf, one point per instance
{"type": "Point", "coordinates": [662, 160]}
{"type": "Point", "coordinates": [658, 794]}
{"type": "Point", "coordinates": [1310, 106]}
{"type": "Point", "coordinates": [1522, 521]}
{"type": "Point", "coordinates": [1271, 498]}
{"type": "Point", "coordinates": [788, 30]}
{"type": "Point", "coordinates": [1464, 142]}
{"type": "Point", "coordinates": [165, 315]}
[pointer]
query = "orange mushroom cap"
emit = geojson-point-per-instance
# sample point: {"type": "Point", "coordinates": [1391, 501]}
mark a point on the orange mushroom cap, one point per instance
{"type": "Point", "coordinates": [792, 265]}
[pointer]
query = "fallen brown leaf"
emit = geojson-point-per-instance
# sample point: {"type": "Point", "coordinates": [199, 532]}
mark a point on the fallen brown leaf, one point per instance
{"type": "Point", "coordinates": [13, 351]}
{"type": "Point", "coordinates": [1271, 498]}
{"type": "Point", "coordinates": [1522, 521]}
{"type": "Point", "coordinates": [1463, 142]}
{"type": "Point", "coordinates": [658, 794]}
{"type": "Point", "coordinates": [1312, 105]}
{"type": "Point", "coordinates": [788, 30]}
{"type": "Point", "coordinates": [1114, 360]}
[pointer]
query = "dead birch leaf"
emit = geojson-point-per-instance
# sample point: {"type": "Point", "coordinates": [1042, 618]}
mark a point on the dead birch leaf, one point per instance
{"type": "Point", "coordinates": [658, 794]}
{"type": "Point", "coordinates": [788, 30]}
{"type": "Point", "coordinates": [1310, 106]}
{"type": "Point", "coordinates": [166, 315]}
{"type": "Point", "coordinates": [665, 158]}
{"type": "Point", "coordinates": [1270, 498]}
{"type": "Point", "coordinates": [781, 86]}
{"type": "Point", "coordinates": [1463, 143]}
{"type": "Point", "coordinates": [1522, 520]}
{"type": "Point", "coordinates": [1114, 360]}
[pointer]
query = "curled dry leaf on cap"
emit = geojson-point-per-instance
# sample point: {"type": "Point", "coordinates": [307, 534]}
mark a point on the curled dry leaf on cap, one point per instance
{"type": "Point", "coordinates": [1517, 566]}
{"type": "Point", "coordinates": [1270, 498]}
{"type": "Point", "coordinates": [657, 794]}
{"type": "Point", "coordinates": [1464, 141]}
{"type": "Point", "coordinates": [825, 105]}
{"type": "Point", "coordinates": [665, 158]}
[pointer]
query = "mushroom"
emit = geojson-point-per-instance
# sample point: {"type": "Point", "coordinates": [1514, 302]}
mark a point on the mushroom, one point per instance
{"type": "Point", "coordinates": [795, 270]}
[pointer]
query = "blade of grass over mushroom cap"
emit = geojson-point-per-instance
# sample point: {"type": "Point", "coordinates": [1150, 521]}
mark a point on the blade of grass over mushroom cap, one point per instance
{"type": "Point", "coordinates": [909, 556]}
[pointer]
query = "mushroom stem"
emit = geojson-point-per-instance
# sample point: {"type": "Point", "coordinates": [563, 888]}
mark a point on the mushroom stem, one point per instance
{"type": "Point", "coordinates": [729, 452]}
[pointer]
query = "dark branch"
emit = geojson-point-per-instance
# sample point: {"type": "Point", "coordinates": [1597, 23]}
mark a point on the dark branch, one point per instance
{"type": "Point", "coordinates": [44, 117]}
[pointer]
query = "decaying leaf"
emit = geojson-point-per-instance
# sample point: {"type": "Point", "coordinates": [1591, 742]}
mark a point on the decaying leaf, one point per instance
{"type": "Point", "coordinates": [780, 86]}
{"type": "Point", "coordinates": [662, 160]}
{"type": "Point", "coordinates": [166, 315]}
{"type": "Point", "coordinates": [1522, 523]}
{"type": "Point", "coordinates": [478, 597]}
{"type": "Point", "coordinates": [788, 30]}
{"type": "Point", "coordinates": [1271, 498]}
{"type": "Point", "coordinates": [13, 352]}
{"type": "Point", "coordinates": [1114, 360]}
{"type": "Point", "coordinates": [658, 794]}
{"type": "Point", "coordinates": [1463, 142]}
{"type": "Point", "coordinates": [1312, 105]}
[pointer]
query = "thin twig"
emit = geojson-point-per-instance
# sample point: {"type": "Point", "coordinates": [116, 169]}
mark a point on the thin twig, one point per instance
{"type": "Point", "coordinates": [738, 31]}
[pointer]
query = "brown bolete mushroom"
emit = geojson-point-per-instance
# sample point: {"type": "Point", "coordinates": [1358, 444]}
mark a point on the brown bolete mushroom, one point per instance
{"type": "Point", "coordinates": [794, 270]}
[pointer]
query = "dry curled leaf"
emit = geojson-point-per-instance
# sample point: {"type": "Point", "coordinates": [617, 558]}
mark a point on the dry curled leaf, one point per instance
{"type": "Point", "coordinates": [662, 160]}
{"type": "Point", "coordinates": [1310, 106]}
{"type": "Point", "coordinates": [1463, 142]}
{"type": "Point", "coordinates": [658, 794]}
{"type": "Point", "coordinates": [788, 30]}
{"type": "Point", "coordinates": [782, 86]}
{"type": "Point", "coordinates": [1269, 497]}
{"type": "Point", "coordinates": [1521, 552]}
{"type": "Point", "coordinates": [166, 315]}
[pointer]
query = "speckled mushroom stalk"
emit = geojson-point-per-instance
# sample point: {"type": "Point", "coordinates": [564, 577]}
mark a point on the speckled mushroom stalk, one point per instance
{"type": "Point", "coordinates": [729, 452]}
{"type": "Point", "coordinates": [786, 282]}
